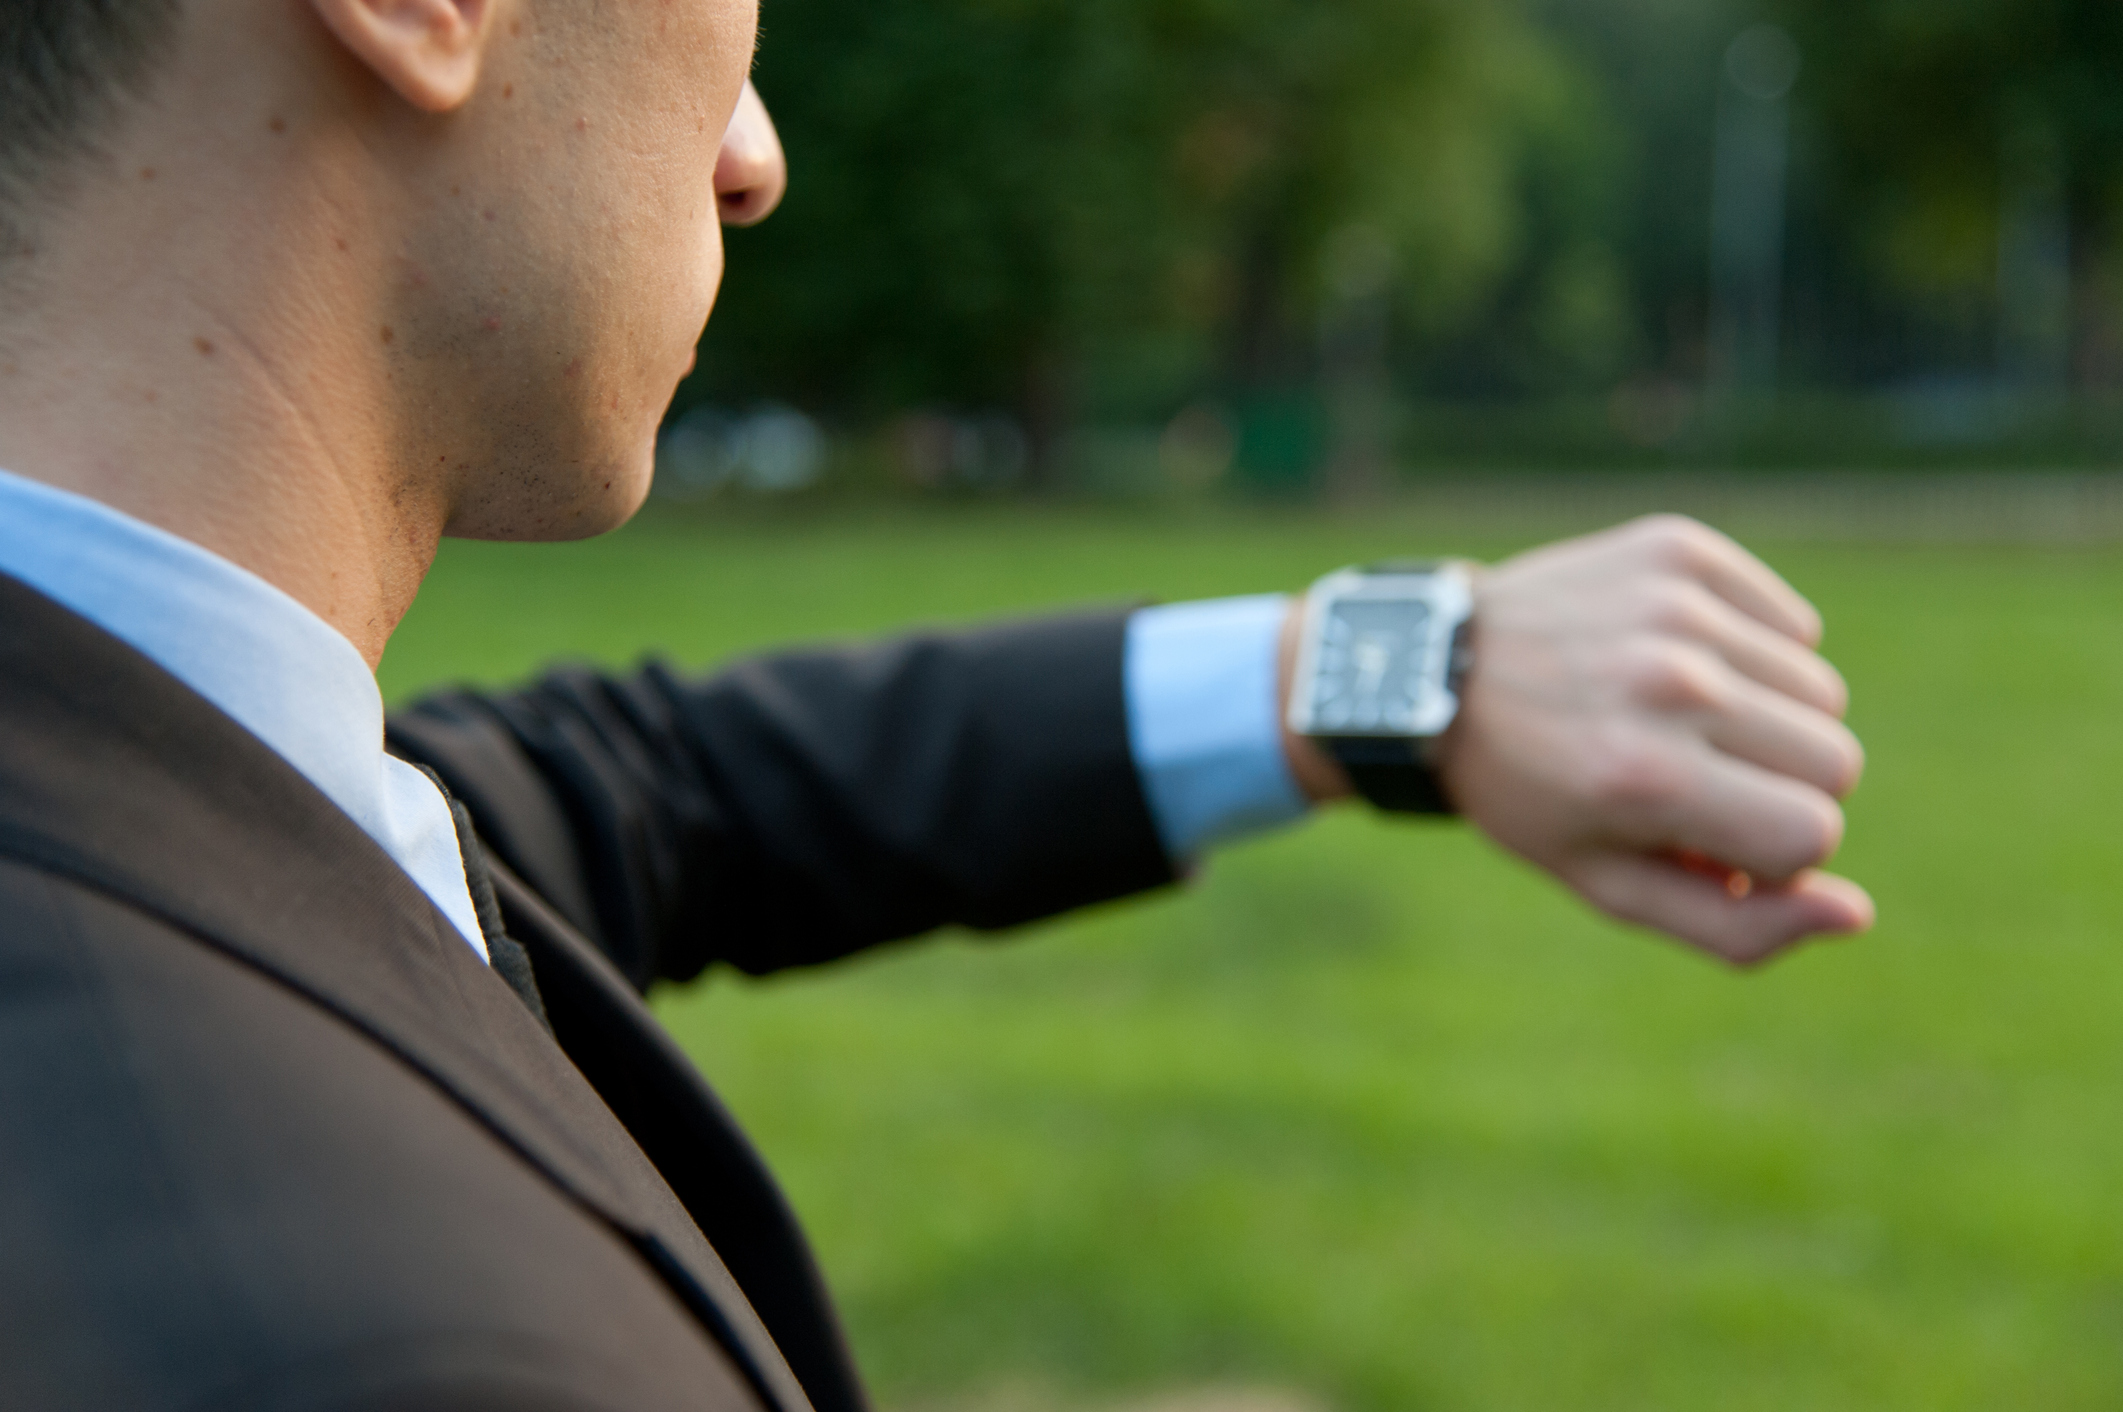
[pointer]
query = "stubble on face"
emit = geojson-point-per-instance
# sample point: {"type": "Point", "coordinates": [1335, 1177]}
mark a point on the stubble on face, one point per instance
{"type": "Point", "coordinates": [566, 257]}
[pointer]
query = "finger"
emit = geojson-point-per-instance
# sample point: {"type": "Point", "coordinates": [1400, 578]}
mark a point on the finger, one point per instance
{"type": "Point", "coordinates": [1770, 729]}
{"type": "Point", "coordinates": [1738, 577]}
{"type": "Point", "coordinates": [1760, 652]}
{"type": "Point", "coordinates": [1660, 894]}
{"type": "Point", "coordinates": [1837, 906]}
{"type": "Point", "coordinates": [1681, 793]}
{"type": "Point", "coordinates": [1770, 825]}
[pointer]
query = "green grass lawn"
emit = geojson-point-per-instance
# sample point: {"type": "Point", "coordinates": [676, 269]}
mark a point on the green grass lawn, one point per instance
{"type": "Point", "coordinates": [1373, 1111]}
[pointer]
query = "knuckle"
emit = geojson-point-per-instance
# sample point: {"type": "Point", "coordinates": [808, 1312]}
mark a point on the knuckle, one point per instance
{"type": "Point", "coordinates": [1665, 524]}
{"type": "Point", "coordinates": [1668, 677]}
{"type": "Point", "coordinates": [1672, 605]}
{"type": "Point", "coordinates": [1849, 766]}
{"type": "Point", "coordinates": [1629, 775]}
{"type": "Point", "coordinates": [1811, 625]}
{"type": "Point", "coordinates": [1835, 692]}
{"type": "Point", "coordinates": [1829, 832]}
{"type": "Point", "coordinates": [1812, 837]}
{"type": "Point", "coordinates": [1678, 541]}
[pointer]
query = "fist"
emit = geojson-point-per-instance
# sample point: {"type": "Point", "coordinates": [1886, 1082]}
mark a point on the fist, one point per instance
{"type": "Point", "coordinates": [1647, 719]}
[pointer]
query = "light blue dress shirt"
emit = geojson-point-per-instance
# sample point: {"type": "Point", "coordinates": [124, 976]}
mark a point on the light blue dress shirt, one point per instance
{"type": "Point", "coordinates": [1199, 681]}
{"type": "Point", "coordinates": [282, 672]}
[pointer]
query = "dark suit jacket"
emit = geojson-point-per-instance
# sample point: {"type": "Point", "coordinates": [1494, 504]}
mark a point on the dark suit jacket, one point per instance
{"type": "Point", "coordinates": [271, 1136]}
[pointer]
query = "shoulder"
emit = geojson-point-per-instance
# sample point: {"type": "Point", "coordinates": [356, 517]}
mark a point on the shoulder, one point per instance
{"type": "Point", "coordinates": [208, 1182]}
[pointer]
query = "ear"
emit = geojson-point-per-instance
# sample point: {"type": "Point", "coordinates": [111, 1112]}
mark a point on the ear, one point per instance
{"type": "Point", "coordinates": [429, 51]}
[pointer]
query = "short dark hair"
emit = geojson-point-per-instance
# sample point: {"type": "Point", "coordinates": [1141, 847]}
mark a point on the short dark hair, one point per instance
{"type": "Point", "coordinates": [65, 65]}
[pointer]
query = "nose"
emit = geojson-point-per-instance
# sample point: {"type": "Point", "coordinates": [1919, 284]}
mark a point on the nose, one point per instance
{"type": "Point", "coordinates": [751, 174]}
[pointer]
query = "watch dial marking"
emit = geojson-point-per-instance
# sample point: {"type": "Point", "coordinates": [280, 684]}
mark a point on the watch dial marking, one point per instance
{"type": "Point", "coordinates": [1370, 674]}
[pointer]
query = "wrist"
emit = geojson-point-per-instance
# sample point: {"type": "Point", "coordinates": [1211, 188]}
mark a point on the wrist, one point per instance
{"type": "Point", "coordinates": [1319, 777]}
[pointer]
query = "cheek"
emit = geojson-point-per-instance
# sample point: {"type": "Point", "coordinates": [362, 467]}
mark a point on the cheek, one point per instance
{"type": "Point", "coordinates": [673, 292]}
{"type": "Point", "coordinates": [658, 261]}
{"type": "Point", "coordinates": [672, 230]}
{"type": "Point", "coordinates": [693, 211]}
{"type": "Point", "coordinates": [703, 74]}
{"type": "Point", "coordinates": [709, 265]}
{"type": "Point", "coordinates": [678, 292]}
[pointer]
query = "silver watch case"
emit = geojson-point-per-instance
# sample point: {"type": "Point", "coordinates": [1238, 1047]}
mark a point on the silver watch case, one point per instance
{"type": "Point", "coordinates": [1375, 657]}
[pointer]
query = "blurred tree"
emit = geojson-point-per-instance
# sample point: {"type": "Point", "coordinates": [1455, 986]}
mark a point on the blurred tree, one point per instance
{"type": "Point", "coordinates": [1105, 209]}
{"type": "Point", "coordinates": [1055, 204]}
{"type": "Point", "coordinates": [1972, 173]}
{"type": "Point", "coordinates": [1654, 65]}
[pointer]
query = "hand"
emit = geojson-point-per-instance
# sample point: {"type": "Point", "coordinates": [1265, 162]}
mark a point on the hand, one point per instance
{"type": "Point", "coordinates": [1647, 720]}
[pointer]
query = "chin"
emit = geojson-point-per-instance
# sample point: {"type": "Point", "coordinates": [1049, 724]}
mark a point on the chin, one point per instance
{"type": "Point", "coordinates": [556, 506]}
{"type": "Point", "coordinates": [610, 498]}
{"type": "Point", "coordinates": [625, 495]}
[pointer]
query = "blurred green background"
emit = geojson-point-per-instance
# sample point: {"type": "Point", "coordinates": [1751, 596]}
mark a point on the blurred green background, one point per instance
{"type": "Point", "coordinates": [1373, 1113]}
{"type": "Point", "coordinates": [1123, 244]}
{"type": "Point", "coordinates": [1105, 298]}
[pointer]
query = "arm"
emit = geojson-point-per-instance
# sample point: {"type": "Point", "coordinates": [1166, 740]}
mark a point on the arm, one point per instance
{"type": "Point", "coordinates": [802, 806]}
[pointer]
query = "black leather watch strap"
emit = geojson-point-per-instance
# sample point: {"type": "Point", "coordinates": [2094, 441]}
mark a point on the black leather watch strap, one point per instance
{"type": "Point", "coordinates": [1389, 774]}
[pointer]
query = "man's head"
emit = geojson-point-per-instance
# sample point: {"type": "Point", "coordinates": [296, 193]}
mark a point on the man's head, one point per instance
{"type": "Point", "coordinates": [487, 229]}
{"type": "Point", "coordinates": [64, 65]}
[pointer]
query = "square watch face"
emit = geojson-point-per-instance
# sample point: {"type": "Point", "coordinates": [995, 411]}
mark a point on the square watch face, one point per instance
{"type": "Point", "coordinates": [1371, 672]}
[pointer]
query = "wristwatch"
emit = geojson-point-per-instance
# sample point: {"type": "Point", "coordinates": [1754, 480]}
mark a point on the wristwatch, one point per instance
{"type": "Point", "coordinates": [1380, 655]}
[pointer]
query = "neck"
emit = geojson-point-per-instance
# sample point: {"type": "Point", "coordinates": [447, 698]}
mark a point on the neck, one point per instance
{"type": "Point", "coordinates": [241, 400]}
{"type": "Point", "coordinates": [223, 456]}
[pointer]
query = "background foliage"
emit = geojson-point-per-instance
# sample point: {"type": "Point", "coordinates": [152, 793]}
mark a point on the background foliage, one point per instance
{"type": "Point", "coordinates": [1096, 211]}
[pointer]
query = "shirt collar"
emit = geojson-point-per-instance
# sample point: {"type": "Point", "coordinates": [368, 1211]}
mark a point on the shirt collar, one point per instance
{"type": "Point", "coordinates": [264, 659]}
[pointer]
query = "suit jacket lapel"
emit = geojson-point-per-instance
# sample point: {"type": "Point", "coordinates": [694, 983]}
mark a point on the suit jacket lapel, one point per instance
{"type": "Point", "coordinates": [116, 774]}
{"type": "Point", "coordinates": [653, 1088]}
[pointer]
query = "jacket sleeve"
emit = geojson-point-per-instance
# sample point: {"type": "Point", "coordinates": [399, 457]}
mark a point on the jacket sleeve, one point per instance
{"type": "Point", "coordinates": [802, 806]}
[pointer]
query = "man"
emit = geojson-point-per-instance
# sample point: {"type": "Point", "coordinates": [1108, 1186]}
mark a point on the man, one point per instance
{"type": "Point", "coordinates": [321, 1088]}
